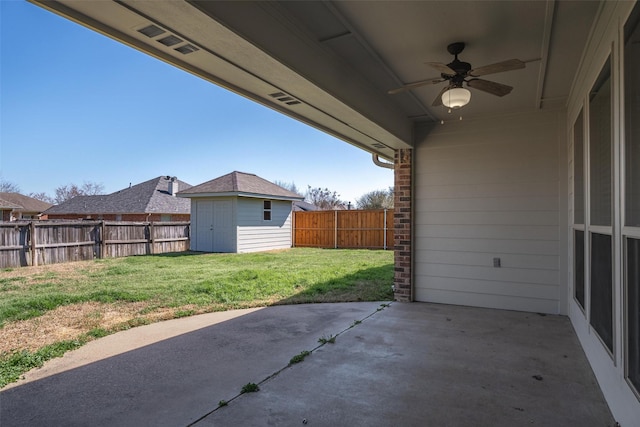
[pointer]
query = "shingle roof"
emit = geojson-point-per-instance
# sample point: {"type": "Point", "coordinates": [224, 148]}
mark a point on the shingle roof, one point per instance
{"type": "Point", "coordinates": [147, 197]}
{"type": "Point", "coordinates": [8, 205]}
{"type": "Point", "coordinates": [22, 203]}
{"type": "Point", "coordinates": [304, 206]}
{"type": "Point", "coordinates": [240, 184]}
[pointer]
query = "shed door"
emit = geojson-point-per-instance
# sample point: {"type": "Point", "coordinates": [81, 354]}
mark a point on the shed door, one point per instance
{"type": "Point", "coordinates": [215, 226]}
{"type": "Point", "coordinates": [204, 226]}
{"type": "Point", "coordinates": [223, 233]}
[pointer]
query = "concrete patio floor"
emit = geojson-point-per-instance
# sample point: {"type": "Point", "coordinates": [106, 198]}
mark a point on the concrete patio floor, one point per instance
{"type": "Point", "coordinates": [404, 365]}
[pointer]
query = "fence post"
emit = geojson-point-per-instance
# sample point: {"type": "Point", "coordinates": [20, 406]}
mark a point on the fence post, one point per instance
{"type": "Point", "coordinates": [385, 230]}
{"type": "Point", "coordinates": [103, 240]}
{"type": "Point", "coordinates": [151, 231]}
{"type": "Point", "coordinates": [335, 229]}
{"type": "Point", "coordinates": [32, 231]}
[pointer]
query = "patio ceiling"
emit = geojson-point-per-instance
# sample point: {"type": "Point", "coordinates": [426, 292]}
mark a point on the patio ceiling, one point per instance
{"type": "Point", "coordinates": [331, 64]}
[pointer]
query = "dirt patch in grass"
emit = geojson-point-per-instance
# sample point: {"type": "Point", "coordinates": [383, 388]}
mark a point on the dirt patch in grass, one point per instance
{"type": "Point", "coordinates": [71, 321]}
{"type": "Point", "coordinates": [68, 269]}
{"type": "Point", "coordinates": [55, 273]}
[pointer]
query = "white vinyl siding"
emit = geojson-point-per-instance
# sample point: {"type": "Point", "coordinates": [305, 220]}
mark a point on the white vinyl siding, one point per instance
{"type": "Point", "coordinates": [490, 189]}
{"type": "Point", "coordinates": [256, 234]}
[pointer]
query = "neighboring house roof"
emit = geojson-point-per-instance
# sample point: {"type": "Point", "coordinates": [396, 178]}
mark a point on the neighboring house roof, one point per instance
{"type": "Point", "coordinates": [151, 196]}
{"type": "Point", "coordinates": [22, 203]}
{"type": "Point", "coordinates": [8, 205]}
{"type": "Point", "coordinates": [304, 206]}
{"type": "Point", "coordinates": [240, 184]}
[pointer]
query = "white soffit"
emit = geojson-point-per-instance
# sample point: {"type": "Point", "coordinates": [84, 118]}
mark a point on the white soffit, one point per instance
{"type": "Point", "coordinates": [226, 59]}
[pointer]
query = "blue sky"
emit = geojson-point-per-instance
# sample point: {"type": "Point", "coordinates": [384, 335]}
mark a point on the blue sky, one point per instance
{"type": "Point", "coordinates": [76, 106]}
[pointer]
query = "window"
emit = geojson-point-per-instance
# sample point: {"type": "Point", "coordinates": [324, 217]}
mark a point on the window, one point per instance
{"type": "Point", "coordinates": [632, 195]}
{"type": "Point", "coordinates": [578, 209]}
{"type": "Point", "coordinates": [632, 124]}
{"type": "Point", "coordinates": [600, 207]}
{"type": "Point", "coordinates": [165, 218]}
{"type": "Point", "coordinates": [578, 267]}
{"type": "Point", "coordinates": [633, 311]}
{"type": "Point", "coordinates": [578, 170]}
{"type": "Point", "coordinates": [266, 210]}
{"type": "Point", "coordinates": [601, 296]}
{"type": "Point", "coordinates": [600, 148]}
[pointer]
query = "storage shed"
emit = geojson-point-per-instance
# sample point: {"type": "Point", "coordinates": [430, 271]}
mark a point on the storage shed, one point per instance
{"type": "Point", "coordinates": [240, 212]}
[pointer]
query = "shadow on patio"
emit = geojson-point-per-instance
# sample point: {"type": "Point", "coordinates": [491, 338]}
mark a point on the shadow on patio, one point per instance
{"type": "Point", "coordinates": [406, 364]}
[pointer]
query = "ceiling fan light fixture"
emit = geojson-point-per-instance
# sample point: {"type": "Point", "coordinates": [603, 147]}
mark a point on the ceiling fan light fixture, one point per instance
{"type": "Point", "coordinates": [456, 97]}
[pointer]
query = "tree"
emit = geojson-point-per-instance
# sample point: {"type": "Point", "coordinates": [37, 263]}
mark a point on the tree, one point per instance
{"type": "Point", "coordinates": [69, 191]}
{"type": "Point", "coordinates": [8, 187]}
{"type": "Point", "coordinates": [376, 199]}
{"type": "Point", "coordinates": [42, 196]}
{"type": "Point", "coordinates": [291, 186]}
{"type": "Point", "coordinates": [324, 199]}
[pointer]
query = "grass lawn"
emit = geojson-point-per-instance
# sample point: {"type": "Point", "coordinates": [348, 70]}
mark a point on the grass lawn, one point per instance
{"type": "Point", "coordinates": [45, 311]}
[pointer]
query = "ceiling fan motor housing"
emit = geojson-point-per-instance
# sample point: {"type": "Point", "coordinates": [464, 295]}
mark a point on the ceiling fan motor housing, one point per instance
{"type": "Point", "coordinates": [461, 68]}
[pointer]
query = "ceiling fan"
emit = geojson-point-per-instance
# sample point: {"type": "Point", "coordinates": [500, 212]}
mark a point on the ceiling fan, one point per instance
{"type": "Point", "coordinates": [458, 72]}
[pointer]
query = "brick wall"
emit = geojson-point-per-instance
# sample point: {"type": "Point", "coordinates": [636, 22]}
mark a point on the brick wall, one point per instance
{"type": "Point", "coordinates": [402, 225]}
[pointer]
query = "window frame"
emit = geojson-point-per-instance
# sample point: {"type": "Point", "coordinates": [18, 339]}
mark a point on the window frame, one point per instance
{"type": "Point", "coordinates": [267, 211]}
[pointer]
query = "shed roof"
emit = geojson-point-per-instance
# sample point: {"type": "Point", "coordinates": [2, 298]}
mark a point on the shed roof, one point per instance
{"type": "Point", "coordinates": [21, 203]}
{"type": "Point", "coordinates": [151, 196]}
{"type": "Point", "coordinates": [240, 184]}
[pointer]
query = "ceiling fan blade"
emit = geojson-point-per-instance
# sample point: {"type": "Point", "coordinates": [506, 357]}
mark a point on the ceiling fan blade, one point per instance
{"type": "Point", "coordinates": [498, 67]}
{"type": "Point", "coordinates": [493, 88]}
{"type": "Point", "coordinates": [444, 69]}
{"type": "Point", "coordinates": [438, 101]}
{"type": "Point", "coordinates": [415, 85]}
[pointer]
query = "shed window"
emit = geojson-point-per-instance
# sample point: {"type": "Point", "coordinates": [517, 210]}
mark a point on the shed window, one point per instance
{"type": "Point", "coordinates": [266, 215]}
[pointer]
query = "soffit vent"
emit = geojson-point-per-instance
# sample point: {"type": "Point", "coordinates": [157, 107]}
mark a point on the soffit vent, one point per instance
{"type": "Point", "coordinates": [378, 145]}
{"type": "Point", "coordinates": [187, 48]}
{"type": "Point", "coordinates": [167, 39]}
{"type": "Point", "coordinates": [170, 40]}
{"type": "Point", "coordinates": [151, 31]}
{"type": "Point", "coordinates": [285, 98]}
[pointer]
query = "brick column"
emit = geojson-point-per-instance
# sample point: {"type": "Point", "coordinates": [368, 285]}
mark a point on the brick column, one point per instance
{"type": "Point", "coordinates": [402, 225]}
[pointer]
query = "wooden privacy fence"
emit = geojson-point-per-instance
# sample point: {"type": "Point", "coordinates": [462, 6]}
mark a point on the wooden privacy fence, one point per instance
{"type": "Point", "coordinates": [29, 243]}
{"type": "Point", "coordinates": [366, 229]}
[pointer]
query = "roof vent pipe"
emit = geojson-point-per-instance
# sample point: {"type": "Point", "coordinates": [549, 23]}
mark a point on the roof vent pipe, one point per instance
{"type": "Point", "coordinates": [380, 163]}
